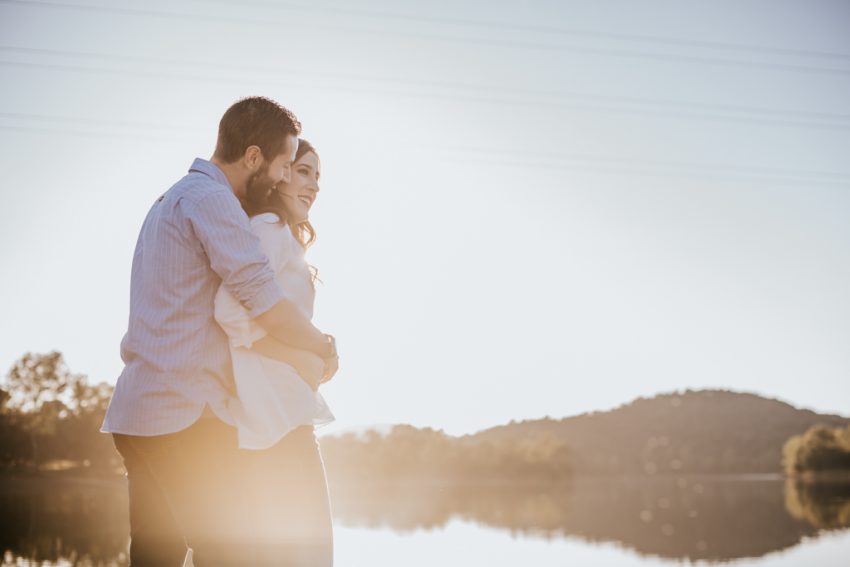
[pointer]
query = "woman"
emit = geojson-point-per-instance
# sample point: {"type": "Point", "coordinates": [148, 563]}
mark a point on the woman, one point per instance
{"type": "Point", "coordinates": [278, 400]}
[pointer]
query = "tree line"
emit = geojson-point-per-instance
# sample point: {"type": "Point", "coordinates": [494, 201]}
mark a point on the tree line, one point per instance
{"type": "Point", "coordinates": [50, 417]}
{"type": "Point", "coordinates": [409, 453]}
{"type": "Point", "coordinates": [689, 432]}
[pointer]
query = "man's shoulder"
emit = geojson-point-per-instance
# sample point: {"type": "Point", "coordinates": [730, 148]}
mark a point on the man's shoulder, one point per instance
{"type": "Point", "coordinates": [195, 187]}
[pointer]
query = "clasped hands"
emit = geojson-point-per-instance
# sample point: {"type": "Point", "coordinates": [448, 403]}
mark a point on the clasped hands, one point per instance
{"type": "Point", "coordinates": [316, 370]}
{"type": "Point", "coordinates": [311, 367]}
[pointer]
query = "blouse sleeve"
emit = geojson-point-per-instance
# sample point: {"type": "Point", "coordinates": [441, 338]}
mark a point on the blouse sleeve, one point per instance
{"type": "Point", "coordinates": [241, 329]}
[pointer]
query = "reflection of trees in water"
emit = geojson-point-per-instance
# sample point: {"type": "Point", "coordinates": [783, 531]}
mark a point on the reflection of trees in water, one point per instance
{"type": "Point", "coordinates": [81, 522]}
{"type": "Point", "coordinates": [825, 505]}
{"type": "Point", "coordinates": [685, 518]}
{"type": "Point", "coordinates": [85, 522]}
{"type": "Point", "coordinates": [688, 518]}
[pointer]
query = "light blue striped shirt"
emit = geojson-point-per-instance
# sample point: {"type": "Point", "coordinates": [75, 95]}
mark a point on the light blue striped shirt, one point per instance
{"type": "Point", "coordinates": [176, 357]}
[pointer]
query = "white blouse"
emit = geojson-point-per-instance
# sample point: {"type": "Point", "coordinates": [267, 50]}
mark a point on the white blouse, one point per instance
{"type": "Point", "coordinates": [272, 398]}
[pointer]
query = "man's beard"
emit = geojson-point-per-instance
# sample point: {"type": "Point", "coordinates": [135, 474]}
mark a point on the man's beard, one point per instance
{"type": "Point", "coordinates": [259, 186]}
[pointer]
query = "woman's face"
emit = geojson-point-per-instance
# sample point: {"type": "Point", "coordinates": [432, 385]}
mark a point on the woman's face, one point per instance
{"type": "Point", "coordinates": [300, 193]}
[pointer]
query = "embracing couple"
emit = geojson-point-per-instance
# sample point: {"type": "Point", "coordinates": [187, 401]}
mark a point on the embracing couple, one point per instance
{"type": "Point", "coordinates": [214, 411]}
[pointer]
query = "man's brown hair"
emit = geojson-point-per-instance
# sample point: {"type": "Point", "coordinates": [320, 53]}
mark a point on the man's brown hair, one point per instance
{"type": "Point", "coordinates": [254, 121]}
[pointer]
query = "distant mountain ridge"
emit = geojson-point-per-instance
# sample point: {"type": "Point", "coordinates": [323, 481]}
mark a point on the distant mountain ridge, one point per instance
{"type": "Point", "coordinates": [696, 431]}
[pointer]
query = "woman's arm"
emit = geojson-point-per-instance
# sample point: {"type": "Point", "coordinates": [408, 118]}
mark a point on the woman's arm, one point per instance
{"type": "Point", "coordinates": [310, 367]}
{"type": "Point", "coordinates": [291, 337]}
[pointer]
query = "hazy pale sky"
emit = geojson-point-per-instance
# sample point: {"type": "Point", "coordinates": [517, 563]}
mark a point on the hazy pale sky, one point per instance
{"type": "Point", "coordinates": [526, 210]}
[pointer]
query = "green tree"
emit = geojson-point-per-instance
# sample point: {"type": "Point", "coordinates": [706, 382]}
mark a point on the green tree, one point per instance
{"type": "Point", "coordinates": [39, 379]}
{"type": "Point", "coordinates": [56, 411]}
{"type": "Point", "coordinates": [819, 449]}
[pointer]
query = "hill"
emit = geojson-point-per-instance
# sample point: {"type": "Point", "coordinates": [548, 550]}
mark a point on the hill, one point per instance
{"type": "Point", "coordinates": [704, 431]}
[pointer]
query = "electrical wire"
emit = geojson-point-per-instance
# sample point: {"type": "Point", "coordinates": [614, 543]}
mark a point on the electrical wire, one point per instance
{"type": "Point", "coordinates": [407, 35]}
{"type": "Point", "coordinates": [545, 29]}
{"type": "Point", "coordinates": [492, 95]}
{"type": "Point", "coordinates": [482, 156]}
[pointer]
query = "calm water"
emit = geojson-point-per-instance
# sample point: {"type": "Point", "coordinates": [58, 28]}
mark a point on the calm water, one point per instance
{"type": "Point", "coordinates": [744, 521]}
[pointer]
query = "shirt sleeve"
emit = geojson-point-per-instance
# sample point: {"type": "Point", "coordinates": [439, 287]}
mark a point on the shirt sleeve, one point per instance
{"type": "Point", "coordinates": [241, 329]}
{"type": "Point", "coordinates": [235, 252]}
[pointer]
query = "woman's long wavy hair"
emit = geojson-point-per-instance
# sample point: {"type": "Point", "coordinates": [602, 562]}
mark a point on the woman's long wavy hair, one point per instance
{"type": "Point", "coordinates": [269, 201]}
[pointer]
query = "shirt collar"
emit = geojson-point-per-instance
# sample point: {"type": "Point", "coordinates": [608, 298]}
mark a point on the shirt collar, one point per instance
{"type": "Point", "coordinates": [209, 169]}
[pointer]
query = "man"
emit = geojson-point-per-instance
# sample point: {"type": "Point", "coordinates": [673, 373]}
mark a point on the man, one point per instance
{"type": "Point", "coordinates": [168, 414]}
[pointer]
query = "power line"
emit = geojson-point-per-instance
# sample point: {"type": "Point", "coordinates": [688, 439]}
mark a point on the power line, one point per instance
{"type": "Point", "coordinates": [536, 104]}
{"type": "Point", "coordinates": [497, 95]}
{"type": "Point", "coordinates": [418, 83]}
{"type": "Point", "coordinates": [546, 29]}
{"type": "Point", "coordinates": [492, 156]}
{"type": "Point", "coordinates": [632, 171]}
{"type": "Point", "coordinates": [90, 121]}
{"type": "Point", "coordinates": [696, 166]}
{"type": "Point", "coordinates": [99, 135]}
{"type": "Point", "coordinates": [665, 57]}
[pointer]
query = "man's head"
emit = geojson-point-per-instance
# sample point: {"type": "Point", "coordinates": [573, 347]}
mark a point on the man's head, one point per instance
{"type": "Point", "coordinates": [260, 137]}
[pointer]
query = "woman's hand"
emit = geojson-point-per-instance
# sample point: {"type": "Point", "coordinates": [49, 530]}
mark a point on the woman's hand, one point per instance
{"type": "Point", "coordinates": [310, 366]}
{"type": "Point", "coordinates": [330, 369]}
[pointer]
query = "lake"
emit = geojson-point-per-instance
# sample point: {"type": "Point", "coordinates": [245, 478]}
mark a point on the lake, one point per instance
{"type": "Point", "coordinates": [753, 520]}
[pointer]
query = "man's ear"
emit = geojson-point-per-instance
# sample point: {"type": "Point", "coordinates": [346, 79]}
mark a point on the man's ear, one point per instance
{"type": "Point", "coordinates": [253, 158]}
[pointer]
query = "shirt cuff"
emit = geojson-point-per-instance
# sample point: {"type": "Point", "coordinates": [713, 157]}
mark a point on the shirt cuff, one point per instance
{"type": "Point", "coordinates": [266, 298]}
{"type": "Point", "coordinates": [251, 334]}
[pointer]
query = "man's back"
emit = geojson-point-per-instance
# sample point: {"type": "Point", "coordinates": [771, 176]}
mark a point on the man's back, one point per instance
{"type": "Point", "coordinates": [195, 237]}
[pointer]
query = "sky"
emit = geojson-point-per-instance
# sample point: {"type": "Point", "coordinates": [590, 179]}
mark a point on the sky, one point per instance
{"type": "Point", "coordinates": [531, 210]}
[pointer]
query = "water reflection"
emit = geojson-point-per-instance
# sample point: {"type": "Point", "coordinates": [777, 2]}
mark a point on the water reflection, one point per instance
{"type": "Point", "coordinates": [678, 518]}
{"type": "Point", "coordinates": [82, 522]}
{"type": "Point", "coordinates": [825, 505]}
{"type": "Point", "coordinates": [85, 522]}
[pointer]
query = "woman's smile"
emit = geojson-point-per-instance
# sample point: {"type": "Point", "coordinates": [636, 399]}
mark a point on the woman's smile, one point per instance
{"type": "Point", "coordinates": [300, 192]}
